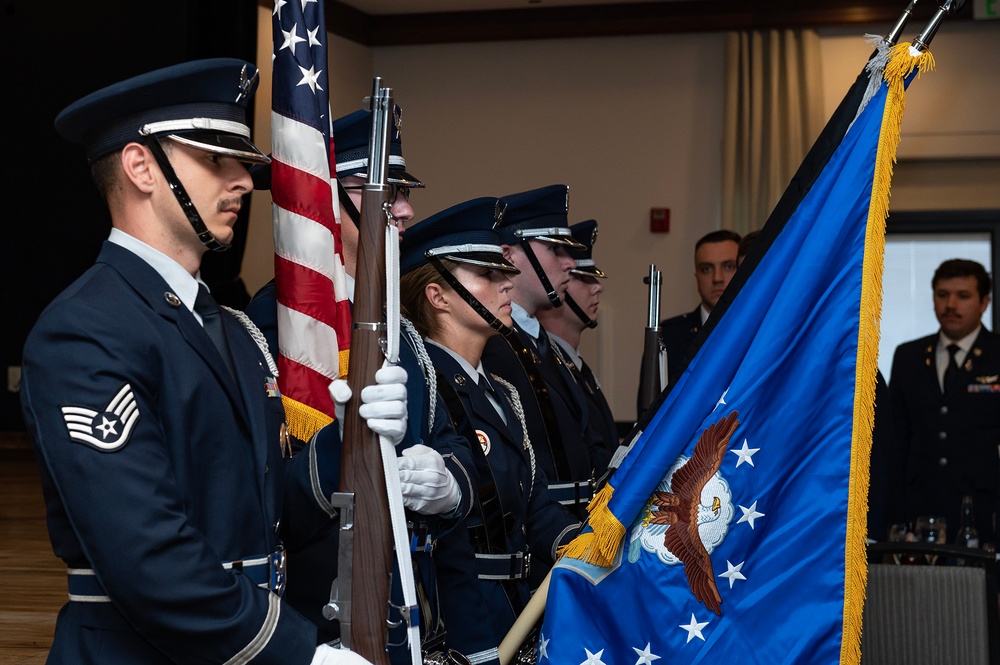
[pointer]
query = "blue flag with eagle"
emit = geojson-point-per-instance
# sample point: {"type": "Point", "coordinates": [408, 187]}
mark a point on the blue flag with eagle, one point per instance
{"type": "Point", "coordinates": [734, 530]}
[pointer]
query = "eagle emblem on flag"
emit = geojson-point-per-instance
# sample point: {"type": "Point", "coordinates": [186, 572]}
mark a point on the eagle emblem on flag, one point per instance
{"type": "Point", "coordinates": [691, 510]}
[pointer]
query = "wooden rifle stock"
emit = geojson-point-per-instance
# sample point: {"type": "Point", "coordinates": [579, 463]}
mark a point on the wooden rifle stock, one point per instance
{"type": "Point", "coordinates": [649, 372]}
{"type": "Point", "coordinates": [361, 457]}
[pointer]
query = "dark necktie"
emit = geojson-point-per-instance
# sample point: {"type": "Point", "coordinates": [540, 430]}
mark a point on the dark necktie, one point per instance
{"type": "Point", "coordinates": [211, 318]}
{"type": "Point", "coordinates": [951, 371]}
{"type": "Point", "coordinates": [544, 349]}
{"type": "Point", "coordinates": [491, 396]}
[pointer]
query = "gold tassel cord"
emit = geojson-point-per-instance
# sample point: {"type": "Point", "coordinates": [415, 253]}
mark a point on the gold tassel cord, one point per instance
{"type": "Point", "coordinates": [901, 64]}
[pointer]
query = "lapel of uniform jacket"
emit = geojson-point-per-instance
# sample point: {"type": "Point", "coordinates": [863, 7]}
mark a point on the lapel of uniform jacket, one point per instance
{"type": "Point", "coordinates": [252, 373]}
{"type": "Point", "coordinates": [156, 292]}
{"type": "Point", "coordinates": [928, 365]}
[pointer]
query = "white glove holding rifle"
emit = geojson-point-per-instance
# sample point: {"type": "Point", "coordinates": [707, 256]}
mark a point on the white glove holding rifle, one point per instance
{"type": "Point", "coordinates": [383, 405]}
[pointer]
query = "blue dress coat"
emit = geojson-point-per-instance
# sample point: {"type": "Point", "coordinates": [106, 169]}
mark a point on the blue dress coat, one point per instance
{"type": "Point", "coordinates": [521, 517]}
{"type": "Point", "coordinates": [312, 568]}
{"type": "Point", "coordinates": [570, 451]}
{"type": "Point", "coordinates": [159, 468]}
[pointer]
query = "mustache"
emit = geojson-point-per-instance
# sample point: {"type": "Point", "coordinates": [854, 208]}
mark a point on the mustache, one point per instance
{"type": "Point", "coordinates": [234, 203]}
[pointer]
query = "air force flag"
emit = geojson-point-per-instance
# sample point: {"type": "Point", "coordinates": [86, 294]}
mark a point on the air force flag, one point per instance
{"type": "Point", "coordinates": [734, 530]}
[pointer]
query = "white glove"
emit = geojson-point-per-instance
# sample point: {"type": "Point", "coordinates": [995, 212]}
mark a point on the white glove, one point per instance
{"type": "Point", "coordinates": [341, 394]}
{"type": "Point", "coordinates": [428, 487]}
{"type": "Point", "coordinates": [328, 655]}
{"type": "Point", "coordinates": [383, 405]}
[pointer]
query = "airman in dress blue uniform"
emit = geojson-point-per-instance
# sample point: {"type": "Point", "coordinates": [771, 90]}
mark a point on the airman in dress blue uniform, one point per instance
{"type": "Point", "coordinates": [155, 415]}
{"type": "Point", "coordinates": [314, 566]}
{"type": "Point", "coordinates": [455, 287]}
{"type": "Point", "coordinates": [536, 238]}
{"type": "Point", "coordinates": [565, 326]}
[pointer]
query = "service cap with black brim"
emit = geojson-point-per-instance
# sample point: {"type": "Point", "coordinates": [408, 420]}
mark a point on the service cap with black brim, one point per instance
{"type": "Point", "coordinates": [200, 103]}
{"type": "Point", "coordinates": [585, 233]}
{"type": "Point", "coordinates": [464, 233]}
{"type": "Point", "coordinates": [538, 214]}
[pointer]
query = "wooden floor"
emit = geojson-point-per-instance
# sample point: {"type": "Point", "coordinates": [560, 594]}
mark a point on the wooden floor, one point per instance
{"type": "Point", "coordinates": [32, 579]}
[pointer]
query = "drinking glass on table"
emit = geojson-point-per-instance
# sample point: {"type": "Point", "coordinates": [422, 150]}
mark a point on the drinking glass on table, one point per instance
{"type": "Point", "coordinates": [932, 529]}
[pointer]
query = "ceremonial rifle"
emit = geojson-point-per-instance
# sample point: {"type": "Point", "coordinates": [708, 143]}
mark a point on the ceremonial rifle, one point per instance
{"type": "Point", "coordinates": [361, 460]}
{"type": "Point", "coordinates": [649, 373]}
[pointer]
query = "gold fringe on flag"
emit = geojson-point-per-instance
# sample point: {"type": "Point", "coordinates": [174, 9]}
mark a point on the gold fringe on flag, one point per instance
{"type": "Point", "coordinates": [901, 64]}
{"type": "Point", "coordinates": [303, 420]}
{"type": "Point", "coordinates": [344, 358]}
{"type": "Point", "coordinates": [599, 546]}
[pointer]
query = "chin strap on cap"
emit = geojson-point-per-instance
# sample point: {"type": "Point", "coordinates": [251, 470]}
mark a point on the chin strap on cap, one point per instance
{"type": "Point", "coordinates": [479, 308]}
{"type": "Point", "coordinates": [542, 277]}
{"type": "Point", "coordinates": [204, 235]}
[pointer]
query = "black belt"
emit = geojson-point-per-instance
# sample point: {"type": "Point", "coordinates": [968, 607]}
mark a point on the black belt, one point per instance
{"type": "Point", "coordinates": [500, 567]}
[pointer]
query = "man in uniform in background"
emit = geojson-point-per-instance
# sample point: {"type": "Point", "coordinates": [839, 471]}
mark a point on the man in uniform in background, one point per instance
{"type": "Point", "coordinates": [159, 430]}
{"type": "Point", "coordinates": [714, 266]}
{"type": "Point", "coordinates": [945, 395]}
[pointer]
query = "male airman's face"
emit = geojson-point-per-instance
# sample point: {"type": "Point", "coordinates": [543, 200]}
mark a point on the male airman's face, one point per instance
{"type": "Point", "coordinates": [216, 185]}
{"type": "Point", "coordinates": [958, 306]}
{"type": "Point", "coordinates": [556, 264]}
{"type": "Point", "coordinates": [714, 266]}
{"type": "Point", "coordinates": [401, 210]}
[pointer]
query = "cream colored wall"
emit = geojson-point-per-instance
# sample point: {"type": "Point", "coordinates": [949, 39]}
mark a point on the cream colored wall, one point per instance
{"type": "Point", "coordinates": [629, 124]}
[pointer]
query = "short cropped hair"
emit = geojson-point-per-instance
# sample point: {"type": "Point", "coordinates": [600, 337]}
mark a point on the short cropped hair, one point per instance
{"type": "Point", "coordinates": [964, 268]}
{"type": "Point", "coordinates": [718, 236]}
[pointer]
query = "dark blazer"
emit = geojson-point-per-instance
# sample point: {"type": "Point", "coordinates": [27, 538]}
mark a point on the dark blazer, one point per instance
{"type": "Point", "coordinates": [569, 451]}
{"type": "Point", "coordinates": [949, 442]}
{"type": "Point", "coordinates": [678, 333]}
{"type": "Point", "coordinates": [524, 518]}
{"type": "Point", "coordinates": [314, 566]}
{"type": "Point", "coordinates": [155, 499]}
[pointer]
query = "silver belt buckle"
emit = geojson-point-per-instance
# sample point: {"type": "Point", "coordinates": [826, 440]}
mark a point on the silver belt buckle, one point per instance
{"type": "Point", "coordinates": [276, 565]}
{"type": "Point", "coordinates": [527, 564]}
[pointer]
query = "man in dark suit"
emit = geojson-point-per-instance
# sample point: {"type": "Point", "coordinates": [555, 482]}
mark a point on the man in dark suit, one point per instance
{"type": "Point", "coordinates": [945, 396]}
{"type": "Point", "coordinates": [714, 265]}
{"type": "Point", "coordinates": [159, 429]}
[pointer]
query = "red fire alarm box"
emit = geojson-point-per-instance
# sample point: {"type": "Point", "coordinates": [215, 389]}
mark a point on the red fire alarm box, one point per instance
{"type": "Point", "coordinates": [659, 220]}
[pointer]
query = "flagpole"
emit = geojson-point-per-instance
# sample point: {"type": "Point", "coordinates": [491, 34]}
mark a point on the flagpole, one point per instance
{"type": "Point", "coordinates": [525, 623]}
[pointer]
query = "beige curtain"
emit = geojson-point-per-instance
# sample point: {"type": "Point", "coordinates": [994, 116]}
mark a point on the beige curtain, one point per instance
{"type": "Point", "coordinates": [774, 112]}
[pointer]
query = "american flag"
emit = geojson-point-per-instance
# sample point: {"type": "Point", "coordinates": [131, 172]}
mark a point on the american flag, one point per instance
{"type": "Point", "coordinates": [314, 315]}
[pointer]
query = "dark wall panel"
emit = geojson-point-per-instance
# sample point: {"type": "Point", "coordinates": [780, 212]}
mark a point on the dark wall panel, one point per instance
{"type": "Point", "coordinates": [53, 219]}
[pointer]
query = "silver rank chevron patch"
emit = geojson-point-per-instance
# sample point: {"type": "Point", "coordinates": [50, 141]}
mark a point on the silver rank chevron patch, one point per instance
{"type": "Point", "coordinates": [106, 430]}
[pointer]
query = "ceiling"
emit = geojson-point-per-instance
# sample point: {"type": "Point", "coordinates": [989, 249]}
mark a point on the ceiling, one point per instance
{"type": "Point", "coordinates": [399, 22]}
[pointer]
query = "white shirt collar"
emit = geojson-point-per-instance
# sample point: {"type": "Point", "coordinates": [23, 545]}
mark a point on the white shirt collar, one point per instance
{"type": "Point", "coordinates": [466, 366]}
{"type": "Point", "coordinates": [528, 323]}
{"type": "Point", "coordinates": [704, 314]}
{"type": "Point", "coordinates": [350, 287]}
{"type": "Point", "coordinates": [964, 344]}
{"type": "Point", "coordinates": [177, 278]}
{"type": "Point", "coordinates": [574, 354]}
